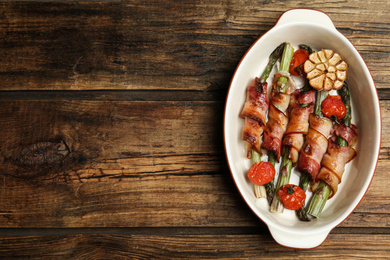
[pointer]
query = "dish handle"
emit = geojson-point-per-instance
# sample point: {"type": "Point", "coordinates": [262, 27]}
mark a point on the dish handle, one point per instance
{"type": "Point", "coordinates": [292, 240]}
{"type": "Point", "coordinates": [305, 15]}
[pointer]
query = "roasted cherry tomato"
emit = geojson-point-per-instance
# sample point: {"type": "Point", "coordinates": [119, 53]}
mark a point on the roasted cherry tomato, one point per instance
{"type": "Point", "coordinates": [292, 196]}
{"type": "Point", "coordinates": [299, 57]}
{"type": "Point", "coordinates": [261, 173]}
{"type": "Point", "coordinates": [333, 106]}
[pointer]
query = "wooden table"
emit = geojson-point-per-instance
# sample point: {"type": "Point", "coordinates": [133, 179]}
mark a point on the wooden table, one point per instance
{"type": "Point", "coordinates": [127, 98]}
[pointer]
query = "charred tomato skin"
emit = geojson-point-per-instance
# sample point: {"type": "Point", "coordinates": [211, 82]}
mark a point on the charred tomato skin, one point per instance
{"type": "Point", "coordinates": [297, 61]}
{"type": "Point", "coordinates": [333, 106]}
{"type": "Point", "coordinates": [292, 196]}
{"type": "Point", "coordinates": [261, 173]}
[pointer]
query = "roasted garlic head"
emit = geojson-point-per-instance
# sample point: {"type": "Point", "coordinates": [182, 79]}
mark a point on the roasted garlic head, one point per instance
{"type": "Point", "coordinates": [326, 70]}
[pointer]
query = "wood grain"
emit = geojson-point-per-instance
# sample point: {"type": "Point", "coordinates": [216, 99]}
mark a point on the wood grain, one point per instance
{"type": "Point", "coordinates": [136, 90]}
{"type": "Point", "coordinates": [187, 246]}
{"type": "Point", "coordinates": [119, 172]}
{"type": "Point", "coordinates": [136, 45]}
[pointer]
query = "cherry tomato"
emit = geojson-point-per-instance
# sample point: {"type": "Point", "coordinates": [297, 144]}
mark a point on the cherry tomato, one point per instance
{"type": "Point", "coordinates": [292, 196]}
{"type": "Point", "coordinates": [333, 106]}
{"type": "Point", "coordinates": [299, 57]}
{"type": "Point", "coordinates": [261, 173]}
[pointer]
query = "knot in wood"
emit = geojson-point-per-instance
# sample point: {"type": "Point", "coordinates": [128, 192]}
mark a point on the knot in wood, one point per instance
{"type": "Point", "coordinates": [43, 153]}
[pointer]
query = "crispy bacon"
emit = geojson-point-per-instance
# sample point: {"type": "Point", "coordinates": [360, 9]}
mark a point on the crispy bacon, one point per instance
{"type": "Point", "coordinates": [255, 113]}
{"type": "Point", "coordinates": [257, 103]}
{"type": "Point", "coordinates": [315, 145]}
{"type": "Point", "coordinates": [251, 133]}
{"type": "Point", "coordinates": [277, 119]}
{"type": "Point", "coordinates": [298, 125]}
{"type": "Point", "coordinates": [336, 157]}
{"type": "Point", "coordinates": [277, 123]}
{"type": "Point", "coordinates": [307, 97]}
{"type": "Point", "coordinates": [349, 134]}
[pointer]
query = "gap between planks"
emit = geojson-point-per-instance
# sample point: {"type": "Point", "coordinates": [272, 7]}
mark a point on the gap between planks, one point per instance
{"type": "Point", "coordinates": [130, 95]}
{"type": "Point", "coordinates": [115, 95]}
{"type": "Point", "coordinates": [169, 231]}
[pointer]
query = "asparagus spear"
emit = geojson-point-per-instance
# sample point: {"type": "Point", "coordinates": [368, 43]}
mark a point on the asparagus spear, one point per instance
{"type": "Point", "coordinates": [322, 192]}
{"type": "Point", "coordinates": [305, 177]}
{"type": "Point", "coordinates": [263, 190]}
{"type": "Point", "coordinates": [286, 165]}
{"type": "Point", "coordinates": [283, 179]}
{"type": "Point", "coordinates": [260, 191]}
{"type": "Point", "coordinates": [270, 187]}
{"type": "Point", "coordinates": [345, 97]}
{"type": "Point", "coordinates": [303, 184]}
{"type": "Point", "coordinates": [308, 49]}
{"type": "Point", "coordinates": [288, 53]}
{"type": "Point", "coordinates": [273, 57]}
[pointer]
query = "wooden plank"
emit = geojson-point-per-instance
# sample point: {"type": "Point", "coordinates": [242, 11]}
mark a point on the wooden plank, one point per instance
{"type": "Point", "coordinates": [117, 95]}
{"type": "Point", "coordinates": [115, 148]}
{"type": "Point", "coordinates": [121, 172]}
{"type": "Point", "coordinates": [132, 95]}
{"type": "Point", "coordinates": [158, 45]}
{"type": "Point", "coordinates": [113, 130]}
{"type": "Point", "coordinates": [373, 246]}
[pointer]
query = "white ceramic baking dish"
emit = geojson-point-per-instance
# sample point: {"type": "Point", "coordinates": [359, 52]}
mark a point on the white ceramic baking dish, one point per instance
{"type": "Point", "coordinates": [314, 28]}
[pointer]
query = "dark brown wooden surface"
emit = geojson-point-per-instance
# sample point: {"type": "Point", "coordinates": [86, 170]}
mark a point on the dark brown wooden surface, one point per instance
{"type": "Point", "coordinates": [135, 90]}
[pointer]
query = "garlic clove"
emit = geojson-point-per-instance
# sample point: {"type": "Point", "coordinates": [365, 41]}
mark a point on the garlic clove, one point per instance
{"type": "Point", "coordinates": [317, 82]}
{"type": "Point", "coordinates": [328, 84]}
{"type": "Point", "coordinates": [308, 66]}
{"type": "Point", "coordinates": [338, 84]}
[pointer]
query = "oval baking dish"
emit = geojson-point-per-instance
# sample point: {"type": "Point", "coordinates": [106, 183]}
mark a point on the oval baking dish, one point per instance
{"type": "Point", "coordinates": [313, 28]}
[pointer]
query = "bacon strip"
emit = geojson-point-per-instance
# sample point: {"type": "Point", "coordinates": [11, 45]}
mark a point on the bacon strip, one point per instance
{"type": "Point", "coordinates": [251, 133]}
{"type": "Point", "coordinates": [255, 114]}
{"type": "Point", "coordinates": [334, 161]}
{"type": "Point", "coordinates": [315, 145]}
{"type": "Point", "coordinates": [298, 125]}
{"type": "Point", "coordinates": [277, 120]}
{"type": "Point", "coordinates": [257, 103]}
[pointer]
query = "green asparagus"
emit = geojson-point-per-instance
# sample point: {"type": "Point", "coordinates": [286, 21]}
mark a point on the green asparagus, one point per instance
{"type": "Point", "coordinates": [274, 56]}
{"type": "Point", "coordinates": [305, 177]}
{"type": "Point", "coordinates": [283, 179]}
{"type": "Point", "coordinates": [265, 190]}
{"type": "Point", "coordinates": [323, 190]}
{"type": "Point", "coordinates": [284, 176]}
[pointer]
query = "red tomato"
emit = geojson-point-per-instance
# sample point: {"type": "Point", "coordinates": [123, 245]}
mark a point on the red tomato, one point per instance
{"type": "Point", "coordinates": [299, 57]}
{"type": "Point", "coordinates": [261, 173]}
{"type": "Point", "coordinates": [292, 196]}
{"type": "Point", "coordinates": [333, 106]}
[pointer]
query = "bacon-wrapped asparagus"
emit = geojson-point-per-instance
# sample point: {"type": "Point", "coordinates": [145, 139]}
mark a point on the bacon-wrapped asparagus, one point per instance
{"type": "Point", "coordinates": [341, 150]}
{"type": "Point", "coordinates": [277, 121]}
{"type": "Point", "coordinates": [300, 107]}
{"type": "Point", "coordinates": [313, 149]}
{"type": "Point", "coordinates": [293, 138]}
{"type": "Point", "coordinates": [255, 112]}
{"type": "Point", "coordinates": [277, 115]}
{"type": "Point", "coordinates": [257, 104]}
{"type": "Point", "coordinates": [336, 158]}
{"type": "Point", "coordinates": [298, 126]}
{"type": "Point", "coordinates": [316, 141]}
